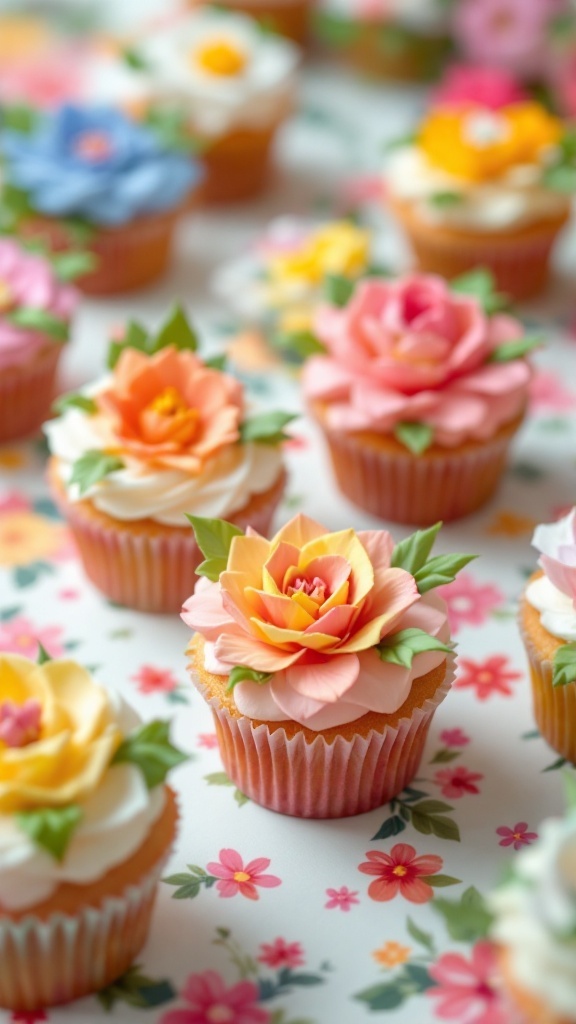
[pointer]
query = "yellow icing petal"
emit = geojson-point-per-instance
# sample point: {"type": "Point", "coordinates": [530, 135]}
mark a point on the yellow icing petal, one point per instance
{"type": "Point", "coordinates": [346, 544]}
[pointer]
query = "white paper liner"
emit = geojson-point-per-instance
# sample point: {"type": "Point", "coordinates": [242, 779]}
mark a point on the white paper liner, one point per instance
{"type": "Point", "coordinates": [320, 779]}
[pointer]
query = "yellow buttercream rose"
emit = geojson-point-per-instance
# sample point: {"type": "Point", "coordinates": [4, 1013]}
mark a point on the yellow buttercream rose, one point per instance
{"type": "Point", "coordinates": [478, 144]}
{"type": "Point", "coordinates": [58, 734]}
{"type": "Point", "coordinates": [336, 248]}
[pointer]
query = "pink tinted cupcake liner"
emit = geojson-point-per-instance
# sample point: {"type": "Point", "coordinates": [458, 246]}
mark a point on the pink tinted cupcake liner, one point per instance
{"type": "Point", "coordinates": [27, 392]}
{"type": "Point", "coordinates": [554, 706]}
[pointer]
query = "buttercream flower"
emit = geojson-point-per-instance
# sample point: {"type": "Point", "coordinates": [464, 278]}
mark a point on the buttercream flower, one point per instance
{"type": "Point", "coordinates": [339, 247]}
{"type": "Point", "coordinates": [169, 409]}
{"type": "Point", "coordinates": [557, 545]}
{"type": "Point", "coordinates": [410, 350]}
{"type": "Point", "coordinates": [477, 145]}
{"type": "Point", "coordinates": [480, 85]}
{"type": "Point", "coordinates": [95, 163]}
{"type": "Point", "coordinates": [309, 607]}
{"type": "Point", "coordinates": [505, 33]}
{"type": "Point", "coordinates": [66, 729]}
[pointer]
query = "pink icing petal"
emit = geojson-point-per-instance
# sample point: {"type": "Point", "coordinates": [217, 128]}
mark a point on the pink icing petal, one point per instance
{"type": "Point", "coordinates": [379, 546]}
{"type": "Point", "coordinates": [336, 622]}
{"type": "Point", "coordinates": [280, 561]}
{"type": "Point", "coordinates": [323, 378]}
{"type": "Point", "coordinates": [498, 378]}
{"type": "Point", "coordinates": [308, 712]}
{"type": "Point", "coordinates": [326, 681]}
{"type": "Point", "coordinates": [381, 688]}
{"type": "Point", "coordinates": [394, 591]}
{"type": "Point", "coordinates": [281, 611]}
{"type": "Point", "coordinates": [246, 650]}
{"type": "Point", "coordinates": [334, 570]}
{"type": "Point", "coordinates": [20, 724]}
{"type": "Point", "coordinates": [561, 575]}
{"type": "Point", "coordinates": [205, 613]}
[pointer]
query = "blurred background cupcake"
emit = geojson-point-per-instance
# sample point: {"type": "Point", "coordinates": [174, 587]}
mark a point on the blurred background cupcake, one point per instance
{"type": "Point", "coordinates": [289, 18]}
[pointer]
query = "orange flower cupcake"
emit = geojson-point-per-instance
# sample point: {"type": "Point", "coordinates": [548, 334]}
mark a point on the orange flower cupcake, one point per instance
{"type": "Point", "coordinates": [323, 657]}
{"type": "Point", "coordinates": [86, 825]}
{"type": "Point", "coordinates": [481, 187]}
{"type": "Point", "coordinates": [163, 436]}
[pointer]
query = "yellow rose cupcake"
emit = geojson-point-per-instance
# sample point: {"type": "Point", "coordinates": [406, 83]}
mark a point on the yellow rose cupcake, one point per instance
{"type": "Point", "coordinates": [86, 825]}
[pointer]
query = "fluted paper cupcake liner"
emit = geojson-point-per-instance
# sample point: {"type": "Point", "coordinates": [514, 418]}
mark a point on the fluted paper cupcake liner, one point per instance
{"type": "Point", "coordinates": [26, 393]}
{"type": "Point", "coordinates": [321, 779]}
{"type": "Point", "coordinates": [554, 706]}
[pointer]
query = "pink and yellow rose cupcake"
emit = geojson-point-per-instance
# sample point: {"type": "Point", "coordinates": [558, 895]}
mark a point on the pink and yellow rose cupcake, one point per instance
{"type": "Point", "coordinates": [479, 187]}
{"type": "Point", "coordinates": [163, 436]}
{"type": "Point", "coordinates": [419, 394]}
{"type": "Point", "coordinates": [35, 313]}
{"type": "Point", "coordinates": [87, 824]}
{"type": "Point", "coordinates": [323, 657]}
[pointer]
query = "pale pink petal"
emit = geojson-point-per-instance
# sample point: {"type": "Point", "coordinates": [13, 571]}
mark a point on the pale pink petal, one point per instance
{"type": "Point", "coordinates": [500, 378]}
{"type": "Point", "coordinates": [246, 650]}
{"type": "Point", "coordinates": [333, 570]}
{"type": "Point", "coordinates": [283, 557]}
{"type": "Point", "coordinates": [379, 546]}
{"type": "Point", "coordinates": [380, 688]}
{"type": "Point", "coordinates": [325, 681]}
{"type": "Point", "coordinates": [325, 379]}
{"type": "Point", "coordinates": [281, 611]}
{"type": "Point", "coordinates": [393, 593]}
{"type": "Point", "coordinates": [336, 622]}
{"type": "Point", "coordinates": [231, 859]}
{"type": "Point", "coordinates": [227, 888]}
{"type": "Point", "coordinates": [204, 613]}
{"type": "Point", "coordinates": [307, 711]}
{"type": "Point", "coordinates": [256, 865]}
{"type": "Point", "coordinates": [268, 881]}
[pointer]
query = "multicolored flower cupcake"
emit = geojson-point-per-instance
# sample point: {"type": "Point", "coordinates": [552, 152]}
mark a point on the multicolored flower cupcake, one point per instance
{"type": "Point", "coordinates": [486, 188]}
{"type": "Point", "coordinates": [36, 308]}
{"type": "Point", "coordinates": [164, 435]}
{"type": "Point", "coordinates": [93, 171]}
{"type": "Point", "coordinates": [406, 40]}
{"type": "Point", "coordinates": [235, 84]}
{"type": "Point", "coordinates": [419, 394]}
{"type": "Point", "coordinates": [323, 657]}
{"type": "Point", "coordinates": [86, 825]}
{"type": "Point", "coordinates": [548, 628]}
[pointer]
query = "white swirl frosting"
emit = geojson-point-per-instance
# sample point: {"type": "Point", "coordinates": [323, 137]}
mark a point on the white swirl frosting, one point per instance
{"type": "Point", "coordinates": [556, 543]}
{"type": "Point", "coordinates": [516, 198]}
{"type": "Point", "coordinates": [536, 917]}
{"type": "Point", "coordinates": [557, 612]}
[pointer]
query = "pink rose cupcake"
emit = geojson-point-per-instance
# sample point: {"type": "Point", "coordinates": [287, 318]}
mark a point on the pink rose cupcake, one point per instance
{"type": "Point", "coordinates": [35, 313]}
{"type": "Point", "coordinates": [323, 657]}
{"type": "Point", "coordinates": [419, 394]}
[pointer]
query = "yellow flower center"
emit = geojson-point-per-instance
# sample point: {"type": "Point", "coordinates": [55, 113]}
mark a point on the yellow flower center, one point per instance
{"type": "Point", "coordinates": [168, 418]}
{"type": "Point", "coordinates": [400, 870]}
{"type": "Point", "coordinates": [220, 57]}
{"type": "Point", "coordinates": [6, 296]}
{"type": "Point", "coordinates": [241, 876]}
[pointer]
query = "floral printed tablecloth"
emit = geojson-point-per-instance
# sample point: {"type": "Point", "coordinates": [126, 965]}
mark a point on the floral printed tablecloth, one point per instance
{"type": "Point", "coordinates": [272, 920]}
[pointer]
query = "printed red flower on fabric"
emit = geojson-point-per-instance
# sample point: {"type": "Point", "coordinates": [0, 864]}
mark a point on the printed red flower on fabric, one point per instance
{"type": "Point", "coordinates": [208, 740]}
{"type": "Point", "coordinates": [456, 782]}
{"type": "Point", "coordinates": [235, 877]}
{"type": "Point", "coordinates": [465, 989]}
{"type": "Point", "coordinates": [154, 680]}
{"type": "Point", "coordinates": [210, 1001]}
{"type": "Point", "coordinates": [454, 738]}
{"type": "Point", "coordinates": [518, 836]}
{"type": "Point", "coordinates": [488, 677]}
{"type": "Point", "coordinates": [469, 603]}
{"type": "Point", "coordinates": [341, 899]}
{"type": "Point", "coordinates": [281, 954]}
{"type": "Point", "coordinates": [400, 872]}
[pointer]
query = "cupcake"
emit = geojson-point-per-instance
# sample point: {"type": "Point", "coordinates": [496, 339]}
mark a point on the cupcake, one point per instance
{"type": "Point", "coordinates": [35, 312]}
{"type": "Point", "coordinates": [86, 825]}
{"type": "Point", "coordinates": [479, 187]}
{"type": "Point", "coordinates": [163, 436]}
{"type": "Point", "coordinates": [92, 171]}
{"type": "Point", "coordinates": [323, 657]}
{"type": "Point", "coordinates": [288, 18]}
{"type": "Point", "coordinates": [235, 83]}
{"type": "Point", "coordinates": [548, 628]}
{"type": "Point", "coordinates": [398, 39]}
{"type": "Point", "coordinates": [535, 926]}
{"type": "Point", "coordinates": [419, 394]}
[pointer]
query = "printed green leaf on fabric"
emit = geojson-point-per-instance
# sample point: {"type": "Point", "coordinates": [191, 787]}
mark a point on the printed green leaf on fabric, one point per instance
{"type": "Point", "coordinates": [136, 989]}
{"type": "Point", "coordinates": [150, 749]}
{"type": "Point", "coordinates": [213, 537]}
{"type": "Point", "coordinates": [92, 467]}
{"type": "Point", "coordinates": [400, 648]}
{"type": "Point", "coordinates": [466, 919]}
{"type": "Point", "coordinates": [266, 427]}
{"type": "Point", "coordinates": [50, 828]}
{"type": "Point", "coordinates": [564, 665]}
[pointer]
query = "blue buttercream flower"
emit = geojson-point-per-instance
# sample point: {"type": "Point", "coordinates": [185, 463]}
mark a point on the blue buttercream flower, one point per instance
{"type": "Point", "coordinates": [95, 163]}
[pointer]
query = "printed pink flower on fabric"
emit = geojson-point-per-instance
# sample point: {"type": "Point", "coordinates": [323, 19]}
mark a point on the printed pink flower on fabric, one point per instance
{"type": "Point", "coordinates": [400, 872]}
{"type": "Point", "coordinates": [235, 877]}
{"type": "Point", "coordinates": [556, 543]}
{"type": "Point", "coordinates": [466, 989]}
{"type": "Point", "coordinates": [210, 1001]}
{"type": "Point", "coordinates": [208, 740]}
{"type": "Point", "coordinates": [411, 350]}
{"type": "Point", "coordinates": [454, 738]}
{"type": "Point", "coordinates": [504, 33]}
{"type": "Point", "coordinates": [341, 899]}
{"type": "Point", "coordinates": [15, 501]}
{"type": "Point", "coordinates": [548, 393]}
{"type": "Point", "coordinates": [281, 954]}
{"type": "Point", "coordinates": [487, 678]}
{"type": "Point", "coordinates": [154, 680]}
{"type": "Point", "coordinates": [517, 837]}
{"type": "Point", "coordinates": [470, 603]}
{"type": "Point", "coordinates": [456, 782]}
{"type": "Point", "coordinates": [478, 85]}
{"type": "Point", "coordinates": [20, 636]}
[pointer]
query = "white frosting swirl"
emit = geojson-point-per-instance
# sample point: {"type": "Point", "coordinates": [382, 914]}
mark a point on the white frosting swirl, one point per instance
{"type": "Point", "coordinates": [536, 917]}
{"type": "Point", "coordinates": [557, 612]}
{"type": "Point", "coordinates": [514, 199]}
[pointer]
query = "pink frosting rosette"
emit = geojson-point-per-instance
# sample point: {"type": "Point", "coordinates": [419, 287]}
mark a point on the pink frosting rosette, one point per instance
{"type": "Point", "coordinates": [300, 618]}
{"type": "Point", "coordinates": [413, 351]}
{"type": "Point", "coordinates": [556, 543]}
{"type": "Point", "coordinates": [28, 282]}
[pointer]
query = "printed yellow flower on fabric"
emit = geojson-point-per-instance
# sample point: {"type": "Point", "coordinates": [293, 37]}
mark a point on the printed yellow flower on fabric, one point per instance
{"type": "Point", "coordinates": [336, 248]}
{"type": "Point", "coordinates": [392, 954]}
{"type": "Point", "coordinates": [25, 538]}
{"type": "Point", "coordinates": [57, 734]}
{"type": "Point", "coordinates": [478, 144]}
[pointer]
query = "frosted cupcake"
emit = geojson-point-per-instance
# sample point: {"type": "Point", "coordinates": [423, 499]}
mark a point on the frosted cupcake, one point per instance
{"type": "Point", "coordinates": [398, 39]}
{"type": "Point", "coordinates": [35, 312]}
{"type": "Point", "coordinates": [163, 436]}
{"type": "Point", "coordinates": [487, 188]}
{"type": "Point", "coordinates": [323, 657]}
{"type": "Point", "coordinates": [86, 825]}
{"type": "Point", "coordinates": [419, 394]}
{"type": "Point", "coordinates": [535, 926]}
{"type": "Point", "coordinates": [236, 85]}
{"type": "Point", "coordinates": [548, 628]}
{"type": "Point", "coordinates": [90, 171]}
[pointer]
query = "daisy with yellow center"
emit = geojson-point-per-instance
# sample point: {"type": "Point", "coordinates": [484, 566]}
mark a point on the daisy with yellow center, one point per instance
{"type": "Point", "coordinates": [220, 56]}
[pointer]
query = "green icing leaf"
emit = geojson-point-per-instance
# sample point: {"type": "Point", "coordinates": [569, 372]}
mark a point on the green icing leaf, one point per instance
{"type": "Point", "coordinates": [241, 673]}
{"type": "Point", "coordinates": [213, 537]}
{"type": "Point", "coordinates": [338, 289]}
{"type": "Point", "coordinates": [40, 320]}
{"type": "Point", "coordinates": [441, 570]}
{"type": "Point", "coordinates": [176, 331]}
{"type": "Point", "coordinates": [564, 670]}
{"type": "Point", "coordinates": [417, 437]}
{"type": "Point", "coordinates": [467, 919]}
{"type": "Point", "coordinates": [50, 828]}
{"type": "Point", "coordinates": [302, 343]}
{"type": "Point", "coordinates": [266, 427]}
{"type": "Point", "coordinates": [135, 336]}
{"type": "Point", "coordinates": [92, 467]}
{"type": "Point", "coordinates": [400, 648]}
{"type": "Point", "coordinates": [514, 349]}
{"type": "Point", "coordinates": [412, 553]}
{"type": "Point", "coordinates": [134, 59]}
{"type": "Point", "coordinates": [42, 657]}
{"type": "Point", "coordinates": [561, 177]}
{"type": "Point", "coordinates": [19, 118]}
{"type": "Point", "coordinates": [70, 265]}
{"type": "Point", "coordinates": [445, 200]}
{"type": "Point", "coordinates": [335, 30]}
{"type": "Point", "coordinates": [480, 285]}
{"type": "Point", "coordinates": [75, 400]}
{"type": "Point", "coordinates": [216, 362]}
{"type": "Point", "coordinates": [149, 748]}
